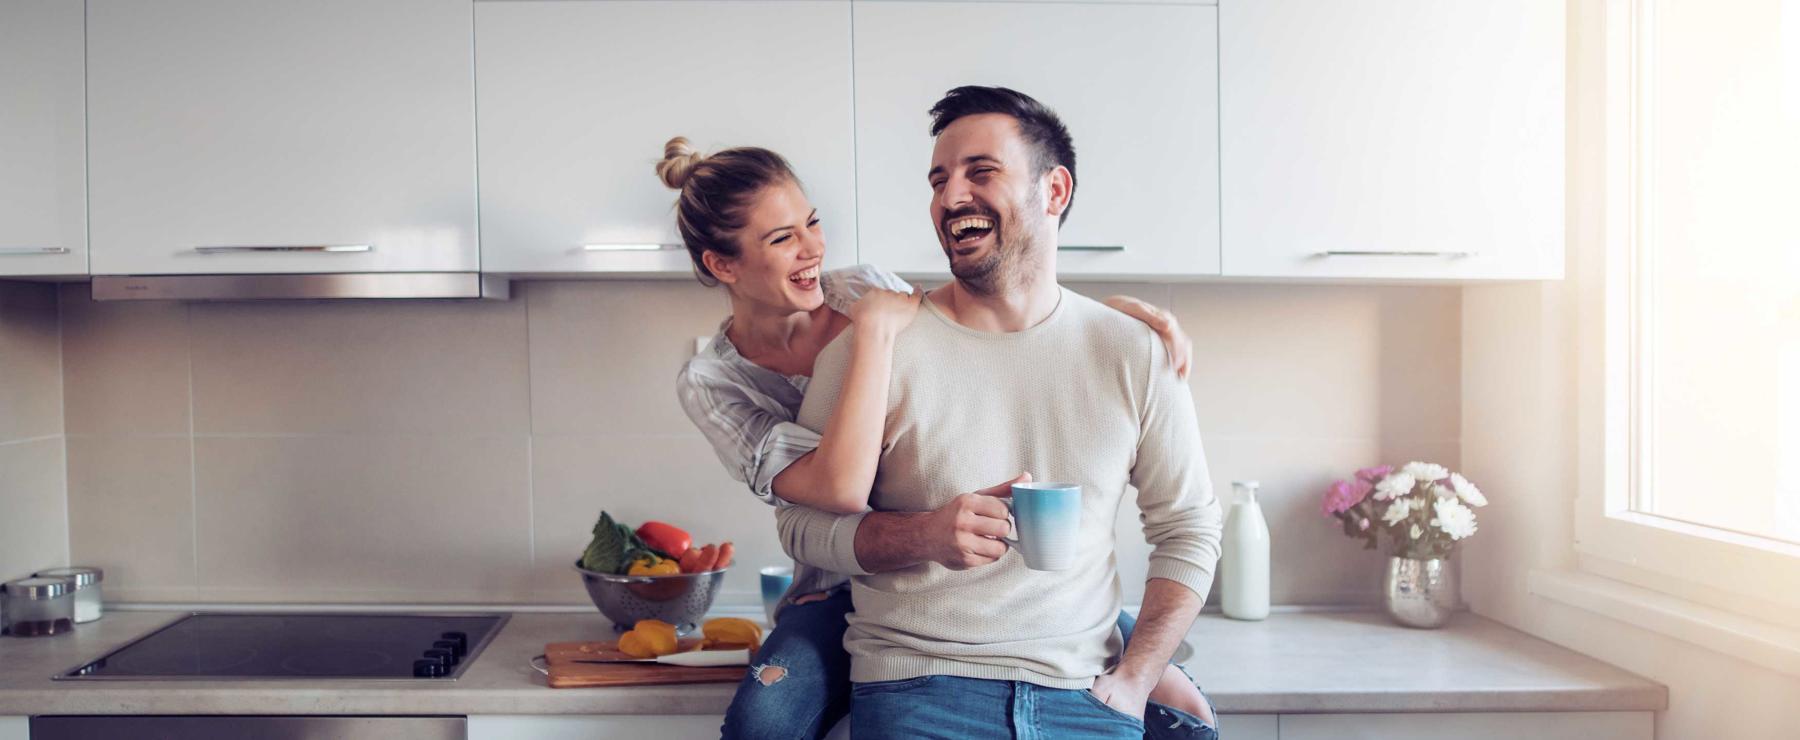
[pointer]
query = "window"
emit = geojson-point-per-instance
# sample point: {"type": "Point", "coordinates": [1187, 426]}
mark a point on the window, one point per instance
{"type": "Point", "coordinates": [1686, 158]}
{"type": "Point", "coordinates": [1687, 121]}
{"type": "Point", "coordinates": [1713, 270]}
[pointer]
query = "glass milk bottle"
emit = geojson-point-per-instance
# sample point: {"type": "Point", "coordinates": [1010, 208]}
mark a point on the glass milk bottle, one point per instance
{"type": "Point", "coordinates": [1244, 564]}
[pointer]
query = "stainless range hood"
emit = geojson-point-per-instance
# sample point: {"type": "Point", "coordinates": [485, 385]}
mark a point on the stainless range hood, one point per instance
{"type": "Point", "coordinates": [300, 286]}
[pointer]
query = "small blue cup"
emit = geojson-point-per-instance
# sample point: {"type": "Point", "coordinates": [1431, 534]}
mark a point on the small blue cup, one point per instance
{"type": "Point", "coordinates": [775, 582]}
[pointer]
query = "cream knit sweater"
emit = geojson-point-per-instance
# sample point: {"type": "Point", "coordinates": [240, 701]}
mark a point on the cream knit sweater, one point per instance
{"type": "Point", "coordinates": [1086, 396]}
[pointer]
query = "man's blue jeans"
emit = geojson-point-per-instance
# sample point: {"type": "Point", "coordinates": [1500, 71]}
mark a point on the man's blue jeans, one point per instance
{"type": "Point", "coordinates": [955, 708]}
{"type": "Point", "coordinates": [812, 690]}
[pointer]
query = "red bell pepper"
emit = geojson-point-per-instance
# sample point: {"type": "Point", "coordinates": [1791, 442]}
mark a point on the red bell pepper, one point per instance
{"type": "Point", "coordinates": [667, 539]}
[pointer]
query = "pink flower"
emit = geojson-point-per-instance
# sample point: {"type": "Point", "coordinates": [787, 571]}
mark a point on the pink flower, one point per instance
{"type": "Point", "coordinates": [1374, 474]}
{"type": "Point", "coordinates": [1344, 494]}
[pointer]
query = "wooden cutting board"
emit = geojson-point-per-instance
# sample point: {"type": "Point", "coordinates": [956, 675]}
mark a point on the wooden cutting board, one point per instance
{"type": "Point", "coordinates": [566, 674]}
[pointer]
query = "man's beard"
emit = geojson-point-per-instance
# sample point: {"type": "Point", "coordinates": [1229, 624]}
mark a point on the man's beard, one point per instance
{"type": "Point", "coordinates": [1007, 265]}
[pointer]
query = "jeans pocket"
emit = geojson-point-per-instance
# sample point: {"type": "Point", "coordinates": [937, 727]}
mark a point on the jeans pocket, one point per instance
{"type": "Point", "coordinates": [888, 687]}
{"type": "Point", "coordinates": [1167, 721]}
{"type": "Point", "coordinates": [1108, 708]}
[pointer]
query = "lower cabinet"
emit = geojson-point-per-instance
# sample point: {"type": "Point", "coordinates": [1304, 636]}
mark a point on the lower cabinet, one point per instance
{"type": "Point", "coordinates": [587, 727]}
{"type": "Point", "coordinates": [15, 728]}
{"type": "Point", "coordinates": [1474, 726]}
{"type": "Point", "coordinates": [1249, 727]}
{"type": "Point", "coordinates": [1398, 726]}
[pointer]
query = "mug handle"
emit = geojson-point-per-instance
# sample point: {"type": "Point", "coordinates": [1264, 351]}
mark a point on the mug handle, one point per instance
{"type": "Point", "coordinates": [1013, 523]}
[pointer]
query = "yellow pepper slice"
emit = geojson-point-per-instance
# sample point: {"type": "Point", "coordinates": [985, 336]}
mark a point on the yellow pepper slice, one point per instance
{"type": "Point", "coordinates": [649, 638]}
{"type": "Point", "coordinates": [732, 631]}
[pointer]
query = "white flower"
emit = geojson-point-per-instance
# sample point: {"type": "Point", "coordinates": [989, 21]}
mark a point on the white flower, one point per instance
{"type": "Point", "coordinates": [1425, 471]}
{"type": "Point", "coordinates": [1441, 491]}
{"type": "Point", "coordinates": [1467, 491]}
{"type": "Point", "coordinates": [1456, 520]}
{"type": "Point", "coordinates": [1416, 531]}
{"type": "Point", "coordinates": [1394, 486]}
{"type": "Point", "coordinates": [1397, 510]}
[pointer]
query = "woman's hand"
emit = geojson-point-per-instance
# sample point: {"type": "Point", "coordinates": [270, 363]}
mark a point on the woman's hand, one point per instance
{"type": "Point", "coordinates": [1181, 349]}
{"type": "Point", "coordinates": [883, 313]}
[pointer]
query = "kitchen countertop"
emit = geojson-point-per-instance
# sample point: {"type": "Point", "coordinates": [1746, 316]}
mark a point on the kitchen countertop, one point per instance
{"type": "Point", "coordinates": [1290, 663]}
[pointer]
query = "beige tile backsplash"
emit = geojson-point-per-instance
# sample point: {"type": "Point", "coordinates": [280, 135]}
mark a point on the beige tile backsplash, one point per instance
{"type": "Point", "coordinates": [30, 364]}
{"type": "Point", "coordinates": [359, 367]}
{"type": "Point", "coordinates": [457, 452]}
{"type": "Point", "coordinates": [363, 517]}
{"type": "Point", "coordinates": [131, 511]}
{"type": "Point", "coordinates": [604, 355]}
{"type": "Point", "coordinates": [125, 365]}
{"type": "Point", "coordinates": [34, 532]}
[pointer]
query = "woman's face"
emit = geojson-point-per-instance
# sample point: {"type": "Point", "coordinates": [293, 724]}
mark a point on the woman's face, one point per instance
{"type": "Point", "coordinates": [782, 247]}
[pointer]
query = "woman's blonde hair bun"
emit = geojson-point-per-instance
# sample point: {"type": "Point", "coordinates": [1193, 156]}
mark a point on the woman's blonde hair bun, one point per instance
{"type": "Point", "coordinates": [678, 162]}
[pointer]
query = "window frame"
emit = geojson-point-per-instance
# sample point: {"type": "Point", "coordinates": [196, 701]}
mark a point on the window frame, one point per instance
{"type": "Point", "coordinates": [1715, 567]}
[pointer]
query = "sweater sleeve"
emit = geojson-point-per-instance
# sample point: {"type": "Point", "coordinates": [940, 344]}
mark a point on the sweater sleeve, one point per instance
{"type": "Point", "coordinates": [819, 538]}
{"type": "Point", "coordinates": [1180, 515]}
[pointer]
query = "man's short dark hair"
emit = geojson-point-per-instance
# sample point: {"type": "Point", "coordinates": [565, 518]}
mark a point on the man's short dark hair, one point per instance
{"type": "Point", "coordinates": [1044, 132]}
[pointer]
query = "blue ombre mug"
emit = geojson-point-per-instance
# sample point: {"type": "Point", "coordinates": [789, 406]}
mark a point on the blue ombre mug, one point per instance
{"type": "Point", "coordinates": [775, 582]}
{"type": "Point", "coordinates": [1047, 517]}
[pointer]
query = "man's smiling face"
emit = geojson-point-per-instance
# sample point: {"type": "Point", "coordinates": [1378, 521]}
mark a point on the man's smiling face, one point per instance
{"type": "Point", "coordinates": [987, 202]}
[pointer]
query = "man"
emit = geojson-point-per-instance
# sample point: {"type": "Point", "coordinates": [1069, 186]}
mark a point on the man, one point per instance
{"type": "Point", "coordinates": [1006, 371]}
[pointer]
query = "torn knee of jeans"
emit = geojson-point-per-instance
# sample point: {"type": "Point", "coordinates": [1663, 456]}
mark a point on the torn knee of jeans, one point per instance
{"type": "Point", "coordinates": [769, 675]}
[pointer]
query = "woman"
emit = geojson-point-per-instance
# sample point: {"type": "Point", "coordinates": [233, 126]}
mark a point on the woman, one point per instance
{"type": "Point", "coordinates": [748, 226]}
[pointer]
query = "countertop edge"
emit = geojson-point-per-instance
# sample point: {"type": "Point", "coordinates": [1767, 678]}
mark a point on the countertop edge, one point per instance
{"type": "Point", "coordinates": [713, 699]}
{"type": "Point", "coordinates": [1292, 664]}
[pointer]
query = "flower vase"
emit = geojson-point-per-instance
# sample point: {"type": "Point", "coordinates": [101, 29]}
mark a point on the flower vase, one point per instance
{"type": "Point", "coordinates": [1419, 593]}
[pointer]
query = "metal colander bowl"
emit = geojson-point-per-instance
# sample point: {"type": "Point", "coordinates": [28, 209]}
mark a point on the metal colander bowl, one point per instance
{"type": "Point", "coordinates": [681, 600]}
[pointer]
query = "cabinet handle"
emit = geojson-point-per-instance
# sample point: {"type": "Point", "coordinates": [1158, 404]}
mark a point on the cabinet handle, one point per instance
{"type": "Point", "coordinates": [1387, 253]}
{"type": "Point", "coordinates": [287, 248]}
{"type": "Point", "coordinates": [33, 250]}
{"type": "Point", "coordinates": [1090, 247]}
{"type": "Point", "coordinates": [631, 247]}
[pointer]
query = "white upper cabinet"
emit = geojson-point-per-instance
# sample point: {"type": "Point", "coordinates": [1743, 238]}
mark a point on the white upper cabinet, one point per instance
{"type": "Point", "coordinates": [259, 126]}
{"type": "Point", "coordinates": [1137, 86]}
{"type": "Point", "coordinates": [576, 100]}
{"type": "Point", "coordinates": [1392, 138]}
{"type": "Point", "coordinates": [43, 169]}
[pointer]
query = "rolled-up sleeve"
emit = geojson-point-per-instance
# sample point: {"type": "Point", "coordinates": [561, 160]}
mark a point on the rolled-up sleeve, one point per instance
{"type": "Point", "coordinates": [1181, 517]}
{"type": "Point", "coordinates": [820, 539]}
{"type": "Point", "coordinates": [754, 443]}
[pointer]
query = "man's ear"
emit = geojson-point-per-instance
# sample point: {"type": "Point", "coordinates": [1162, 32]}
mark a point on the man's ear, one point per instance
{"type": "Point", "coordinates": [723, 268]}
{"type": "Point", "coordinates": [1059, 189]}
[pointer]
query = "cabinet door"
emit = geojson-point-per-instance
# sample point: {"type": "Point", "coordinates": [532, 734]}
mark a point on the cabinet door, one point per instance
{"type": "Point", "coordinates": [578, 98]}
{"type": "Point", "coordinates": [262, 124]}
{"type": "Point", "coordinates": [1250, 726]}
{"type": "Point", "coordinates": [43, 147]}
{"type": "Point", "coordinates": [1425, 135]}
{"type": "Point", "coordinates": [1470, 726]}
{"type": "Point", "coordinates": [1136, 84]}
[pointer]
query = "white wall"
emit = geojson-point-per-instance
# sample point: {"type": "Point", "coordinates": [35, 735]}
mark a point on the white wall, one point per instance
{"type": "Point", "coordinates": [1520, 441]}
{"type": "Point", "coordinates": [439, 451]}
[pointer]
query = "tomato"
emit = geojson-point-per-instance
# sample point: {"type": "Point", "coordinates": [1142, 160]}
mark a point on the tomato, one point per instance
{"type": "Point", "coordinates": [667, 539]}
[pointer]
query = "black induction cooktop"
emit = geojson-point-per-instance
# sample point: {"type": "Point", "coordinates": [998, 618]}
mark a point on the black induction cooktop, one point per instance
{"type": "Point", "coordinates": [264, 646]}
